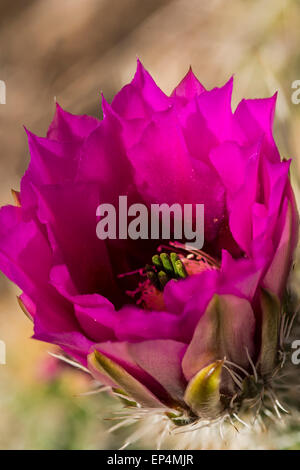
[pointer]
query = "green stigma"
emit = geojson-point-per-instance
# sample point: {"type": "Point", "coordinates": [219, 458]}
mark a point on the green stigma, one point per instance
{"type": "Point", "coordinates": [165, 267]}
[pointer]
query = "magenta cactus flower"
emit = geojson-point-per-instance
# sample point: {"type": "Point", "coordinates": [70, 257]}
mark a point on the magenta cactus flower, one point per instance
{"type": "Point", "coordinates": [193, 332]}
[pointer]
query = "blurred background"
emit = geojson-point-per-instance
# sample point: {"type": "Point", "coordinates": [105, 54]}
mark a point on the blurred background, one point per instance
{"type": "Point", "coordinates": [71, 50]}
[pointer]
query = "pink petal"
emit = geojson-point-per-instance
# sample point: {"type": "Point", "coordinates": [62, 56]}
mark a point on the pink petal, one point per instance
{"type": "Point", "coordinates": [229, 159]}
{"type": "Point", "coordinates": [136, 324]}
{"type": "Point", "coordinates": [277, 274]}
{"type": "Point", "coordinates": [141, 97]}
{"type": "Point", "coordinates": [255, 118]}
{"type": "Point", "coordinates": [215, 107]}
{"type": "Point", "coordinates": [69, 212]}
{"type": "Point", "coordinates": [67, 127]}
{"type": "Point", "coordinates": [188, 88]}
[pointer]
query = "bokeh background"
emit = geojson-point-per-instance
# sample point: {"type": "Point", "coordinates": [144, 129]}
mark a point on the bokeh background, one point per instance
{"type": "Point", "coordinates": [70, 50]}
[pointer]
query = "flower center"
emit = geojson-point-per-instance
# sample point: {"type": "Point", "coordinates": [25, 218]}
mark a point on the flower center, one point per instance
{"type": "Point", "coordinates": [165, 267]}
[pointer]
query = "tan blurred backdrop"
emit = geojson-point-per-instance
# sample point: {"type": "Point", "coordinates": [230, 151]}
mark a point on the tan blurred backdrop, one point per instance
{"type": "Point", "coordinates": [72, 50]}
